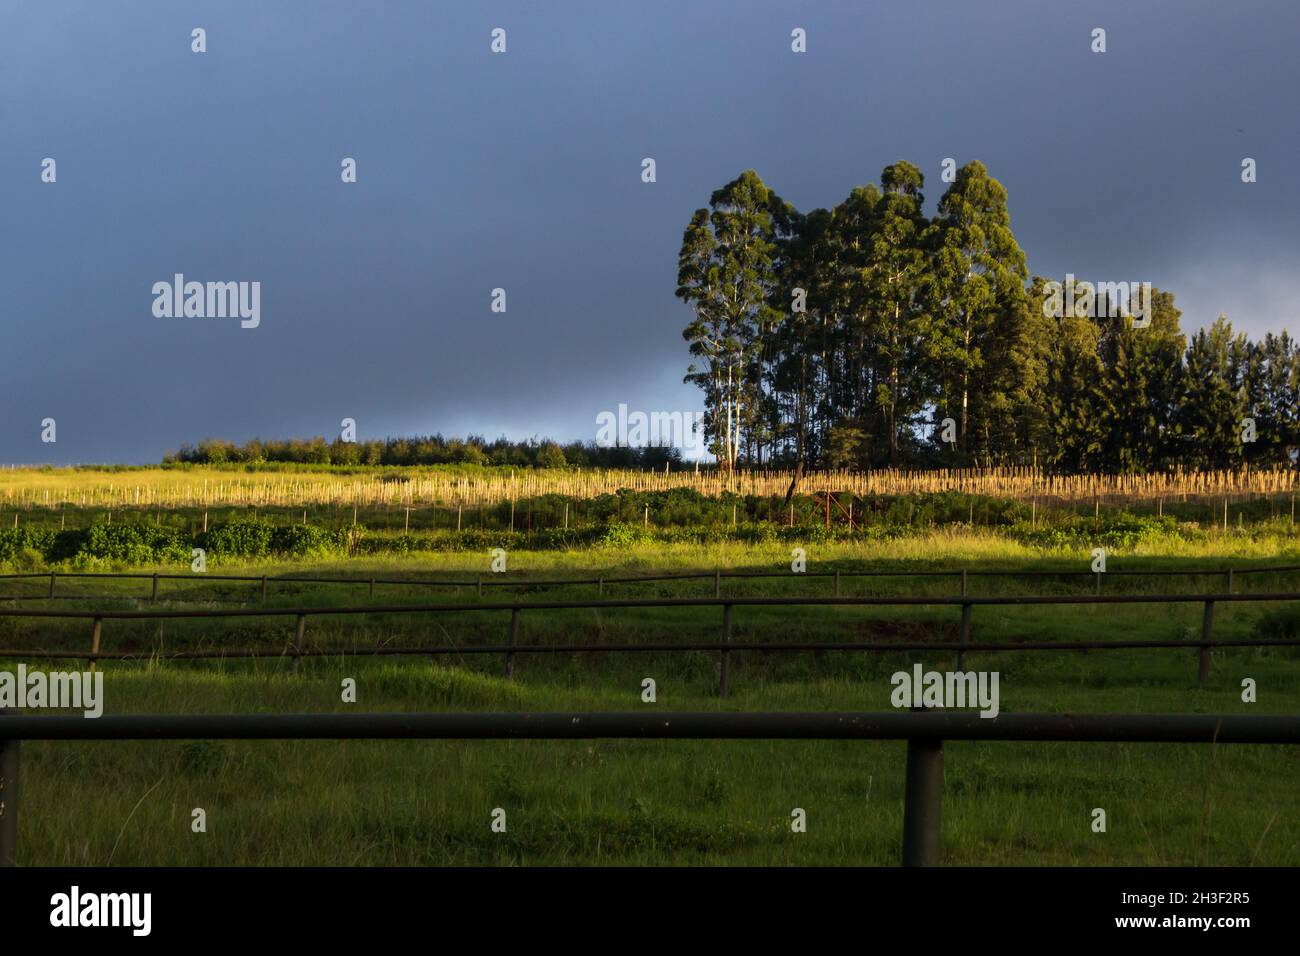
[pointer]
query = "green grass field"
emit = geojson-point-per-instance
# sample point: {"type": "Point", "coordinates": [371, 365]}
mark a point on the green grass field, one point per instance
{"type": "Point", "coordinates": [667, 802]}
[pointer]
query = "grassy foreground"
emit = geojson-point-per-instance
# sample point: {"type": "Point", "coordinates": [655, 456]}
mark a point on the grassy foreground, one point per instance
{"type": "Point", "coordinates": [673, 802]}
{"type": "Point", "coordinates": [668, 802]}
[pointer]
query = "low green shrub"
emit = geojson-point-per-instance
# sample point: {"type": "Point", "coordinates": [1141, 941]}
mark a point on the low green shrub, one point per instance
{"type": "Point", "coordinates": [1281, 623]}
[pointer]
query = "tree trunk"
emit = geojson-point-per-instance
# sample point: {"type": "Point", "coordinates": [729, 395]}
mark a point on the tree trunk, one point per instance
{"type": "Point", "coordinates": [965, 387]}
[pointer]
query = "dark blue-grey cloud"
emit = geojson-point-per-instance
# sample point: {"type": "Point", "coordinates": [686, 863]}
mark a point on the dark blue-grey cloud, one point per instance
{"type": "Point", "coordinates": [522, 171]}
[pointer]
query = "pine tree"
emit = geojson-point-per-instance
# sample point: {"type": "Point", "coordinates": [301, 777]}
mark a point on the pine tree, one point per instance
{"type": "Point", "coordinates": [1214, 402]}
{"type": "Point", "coordinates": [895, 276]}
{"type": "Point", "coordinates": [727, 271]}
{"type": "Point", "coordinates": [977, 266]}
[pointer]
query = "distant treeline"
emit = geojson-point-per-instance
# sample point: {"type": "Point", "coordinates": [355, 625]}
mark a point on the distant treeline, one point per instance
{"type": "Point", "coordinates": [872, 335]}
{"type": "Point", "coordinates": [849, 337]}
{"type": "Point", "coordinates": [426, 450]}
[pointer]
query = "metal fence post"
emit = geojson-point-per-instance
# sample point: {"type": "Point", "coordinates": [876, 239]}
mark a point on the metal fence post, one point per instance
{"type": "Point", "coordinates": [372, 587]}
{"type": "Point", "coordinates": [600, 585]}
{"type": "Point", "coordinates": [923, 802]}
{"type": "Point", "coordinates": [723, 672]}
{"type": "Point", "coordinates": [1229, 580]}
{"type": "Point", "coordinates": [717, 584]}
{"type": "Point", "coordinates": [53, 575]}
{"type": "Point", "coordinates": [297, 641]}
{"type": "Point", "coordinates": [965, 635]}
{"type": "Point", "coordinates": [1207, 627]}
{"type": "Point", "coordinates": [9, 750]}
{"type": "Point", "coordinates": [837, 583]}
{"type": "Point", "coordinates": [264, 589]}
{"type": "Point", "coordinates": [480, 585]}
{"type": "Point", "coordinates": [96, 630]}
{"type": "Point", "coordinates": [1097, 575]}
{"type": "Point", "coordinates": [153, 596]}
{"type": "Point", "coordinates": [963, 582]}
{"type": "Point", "coordinates": [514, 640]}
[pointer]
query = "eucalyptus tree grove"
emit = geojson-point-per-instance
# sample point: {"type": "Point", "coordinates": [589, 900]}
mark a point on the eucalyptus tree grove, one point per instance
{"type": "Point", "coordinates": [873, 335]}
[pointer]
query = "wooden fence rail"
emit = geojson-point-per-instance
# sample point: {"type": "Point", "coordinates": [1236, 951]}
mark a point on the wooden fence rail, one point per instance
{"type": "Point", "coordinates": [726, 648]}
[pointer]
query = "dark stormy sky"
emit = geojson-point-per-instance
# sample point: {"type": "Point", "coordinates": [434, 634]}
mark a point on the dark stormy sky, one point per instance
{"type": "Point", "coordinates": [522, 171]}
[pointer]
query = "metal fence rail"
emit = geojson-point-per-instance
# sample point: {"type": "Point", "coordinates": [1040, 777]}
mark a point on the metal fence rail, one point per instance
{"type": "Point", "coordinates": [153, 614]}
{"type": "Point", "coordinates": [925, 733]}
{"type": "Point", "coordinates": [644, 646]}
{"type": "Point", "coordinates": [480, 582]}
{"type": "Point", "coordinates": [297, 649]}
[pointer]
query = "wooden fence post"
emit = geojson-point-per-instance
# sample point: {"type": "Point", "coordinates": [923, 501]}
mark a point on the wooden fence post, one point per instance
{"type": "Point", "coordinates": [297, 641]}
{"type": "Point", "coordinates": [514, 641]}
{"type": "Point", "coordinates": [723, 672]}
{"type": "Point", "coordinates": [964, 636]}
{"type": "Point", "coordinates": [96, 630]}
{"type": "Point", "coordinates": [922, 802]}
{"type": "Point", "coordinates": [1207, 627]}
